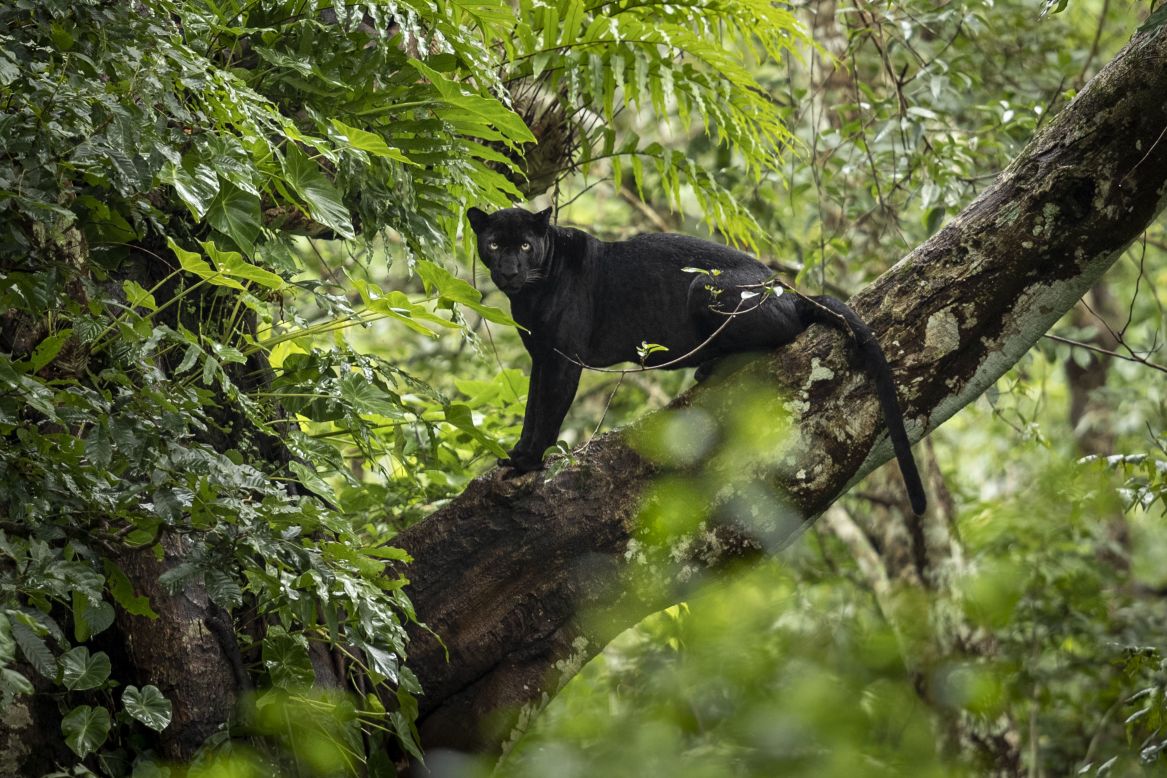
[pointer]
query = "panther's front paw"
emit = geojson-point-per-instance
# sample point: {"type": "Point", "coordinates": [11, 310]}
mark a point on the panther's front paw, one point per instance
{"type": "Point", "coordinates": [522, 461]}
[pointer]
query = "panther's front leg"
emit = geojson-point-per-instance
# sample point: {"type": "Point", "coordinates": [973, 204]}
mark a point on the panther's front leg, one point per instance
{"type": "Point", "coordinates": [554, 380]}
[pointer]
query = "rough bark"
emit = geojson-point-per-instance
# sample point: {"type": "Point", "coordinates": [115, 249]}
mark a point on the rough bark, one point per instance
{"type": "Point", "coordinates": [186, 651]}
{"type": "Point", "coordinates": [526, 579]}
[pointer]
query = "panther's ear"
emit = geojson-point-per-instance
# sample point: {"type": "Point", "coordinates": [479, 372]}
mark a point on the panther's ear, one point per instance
{"type": "Point", "coordinates": [477, 219]}
{"type": "Point", "coordinates": [544, 217]}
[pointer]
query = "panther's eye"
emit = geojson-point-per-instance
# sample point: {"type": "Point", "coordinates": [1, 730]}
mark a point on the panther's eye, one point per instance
{"type": "Point", "coordinates": [526, 247]}
{"type": "Point", "coordinates": [493, 245]}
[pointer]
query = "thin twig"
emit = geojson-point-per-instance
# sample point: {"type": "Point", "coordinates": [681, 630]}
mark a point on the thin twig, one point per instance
{"type": "Point", "coordinates": [1132, 358]}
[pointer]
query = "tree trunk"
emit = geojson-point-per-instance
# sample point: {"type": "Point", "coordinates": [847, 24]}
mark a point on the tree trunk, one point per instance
{"type": "Point", "coordinates": [526, 579]}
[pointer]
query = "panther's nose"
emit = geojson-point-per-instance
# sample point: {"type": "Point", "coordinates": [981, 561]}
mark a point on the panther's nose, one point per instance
{"type": "Point", "coordinates": [508, 280]}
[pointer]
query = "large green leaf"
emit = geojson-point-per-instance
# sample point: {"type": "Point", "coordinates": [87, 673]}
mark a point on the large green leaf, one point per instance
{"type": "Point", "coordinates": [193, 263]}
{"type": "Point", "coordinates": [85, 729]}
{"type": "Point", "coordinates": [194, 183]}
{"type": "Point", "coordinates": [487, 109]}
{"type": "Point", "coordinates": [148, 706]}
{"type": "Point", "coordinates": [122, 592]}
{"type": "Point", "coordinates": [81, 671]}
{"type": "Point", "coordinates": [90, 618]}
{"type": "Point", "coordinates": [285, 657]}
{"type": "Point", "coordinates": [232, 264]}
{"type": "Point", "coordinates": [46, 351]}
{"type": "Point", "coordinates": [310, 184]}
{"type": "Point", "coordinates": [34, 649]}
{"type": "Point", "coordinates": [453, 289]}
{"type": "Point", "coordinates": [235, 213]}
{"type": "Point", "coordinates": [370, 142]}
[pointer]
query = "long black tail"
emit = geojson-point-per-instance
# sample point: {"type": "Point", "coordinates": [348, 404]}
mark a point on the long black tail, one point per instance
{"type": "Point", "coordinates": [832, 312]}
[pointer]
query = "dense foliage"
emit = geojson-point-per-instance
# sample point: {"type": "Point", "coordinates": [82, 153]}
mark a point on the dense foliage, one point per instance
{"type": "Point", "coordinates": [181, 391]}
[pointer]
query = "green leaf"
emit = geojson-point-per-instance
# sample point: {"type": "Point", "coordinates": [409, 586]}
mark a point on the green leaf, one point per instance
{"type": "Point", "coordinates": [137, 297]}
{"type": "Point", "coordinates": [85, 729]}
{"type": "Point", "coordinates": [193, 263]}
{"type": "Point", "coordinates": [313, 481]}
{"type": "Point", "coordinates": [441, 281]}
{"type": "Point", "coordinates": [235, 213]}
{"type": "Point", "coordinates": [286, 659]}
{"type": "Point", "coordinates": [14, 683]}
{"type": "Point", "coordinates": [232, 264]}
{"type": "Point", "coordinates": [933, 219]}
{"type": "Point", "coordinates": [463, 418]}
{"type": "Point", "coordinates": [370, 142]}
{"type": "Point", "coordinates": [324, 202]}
{"type": "Point", "coordinates": [382, 662]}
{"type": "Point", "coordinates": [397, 306]}
{"type": "Point", "coordinates": [47, 350]}
{"type": "Point", "coordinates": [404, 722]}
{"type": "Point", "coordinates": [90, 619]}
{"type": "Point", "coordinates": [366, 397]}
{"type": "Point", "coordinates": [222, 588]}
{"type": "Point", "coordinates": [453, 289]}
{"type": "Point", "coordinates": [388, 552]}
{"type": "Point", "coordinates": [34, 649]}
{"type": "Point", "coordinates": [80, 671]}
{"type": "Point", "coordinates": [195, 184]}
{"type": "Point", "coordinates": [1157, 18]}
{"type": "Point", "coordinates": [487, 109]}
{"type": "Point", "coordinates": [122, 592]}
{"type": "Point", "coordinates": [148, 706]}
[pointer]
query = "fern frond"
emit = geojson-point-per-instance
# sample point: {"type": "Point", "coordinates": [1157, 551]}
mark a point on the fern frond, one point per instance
{"type": "Point", "coordinates": [621, 81]}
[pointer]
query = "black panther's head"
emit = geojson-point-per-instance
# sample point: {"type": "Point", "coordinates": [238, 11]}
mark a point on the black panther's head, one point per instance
{"type": "Point", "coordinates": [514, 244]}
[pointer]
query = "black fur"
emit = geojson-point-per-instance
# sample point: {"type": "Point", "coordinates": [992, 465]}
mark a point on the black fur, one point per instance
{"type": "Point", "coordinates": [584, 301]}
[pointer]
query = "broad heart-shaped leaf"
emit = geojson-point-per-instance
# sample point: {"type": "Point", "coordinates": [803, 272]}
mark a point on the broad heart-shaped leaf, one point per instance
{"type": "Point", "coordinates": [80, 671]}
{"type": "Point", "coordinates": [148, 706]}
{"type": "Point", "coordinates": [286, 659]}
{"type": "Point", "coordinates": [235, 213]}
{"type": "Point", "coordinates": [85, 729]}
{"type": "Point", "coordinates": [324, 203]}
{"type": "Point", "coordinates": [367, 397]}
{"type": "Point", "coordinates": [312, 481]}
{"type": "Point", "coordinates": [370, 142]}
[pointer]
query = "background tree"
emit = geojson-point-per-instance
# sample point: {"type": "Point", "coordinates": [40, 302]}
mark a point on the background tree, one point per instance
{"type": "Point", "coordinates": [191, 361]}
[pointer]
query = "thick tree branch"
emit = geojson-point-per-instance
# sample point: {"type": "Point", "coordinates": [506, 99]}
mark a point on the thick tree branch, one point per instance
{"type": "Point", "coordinates": [526, 579]}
